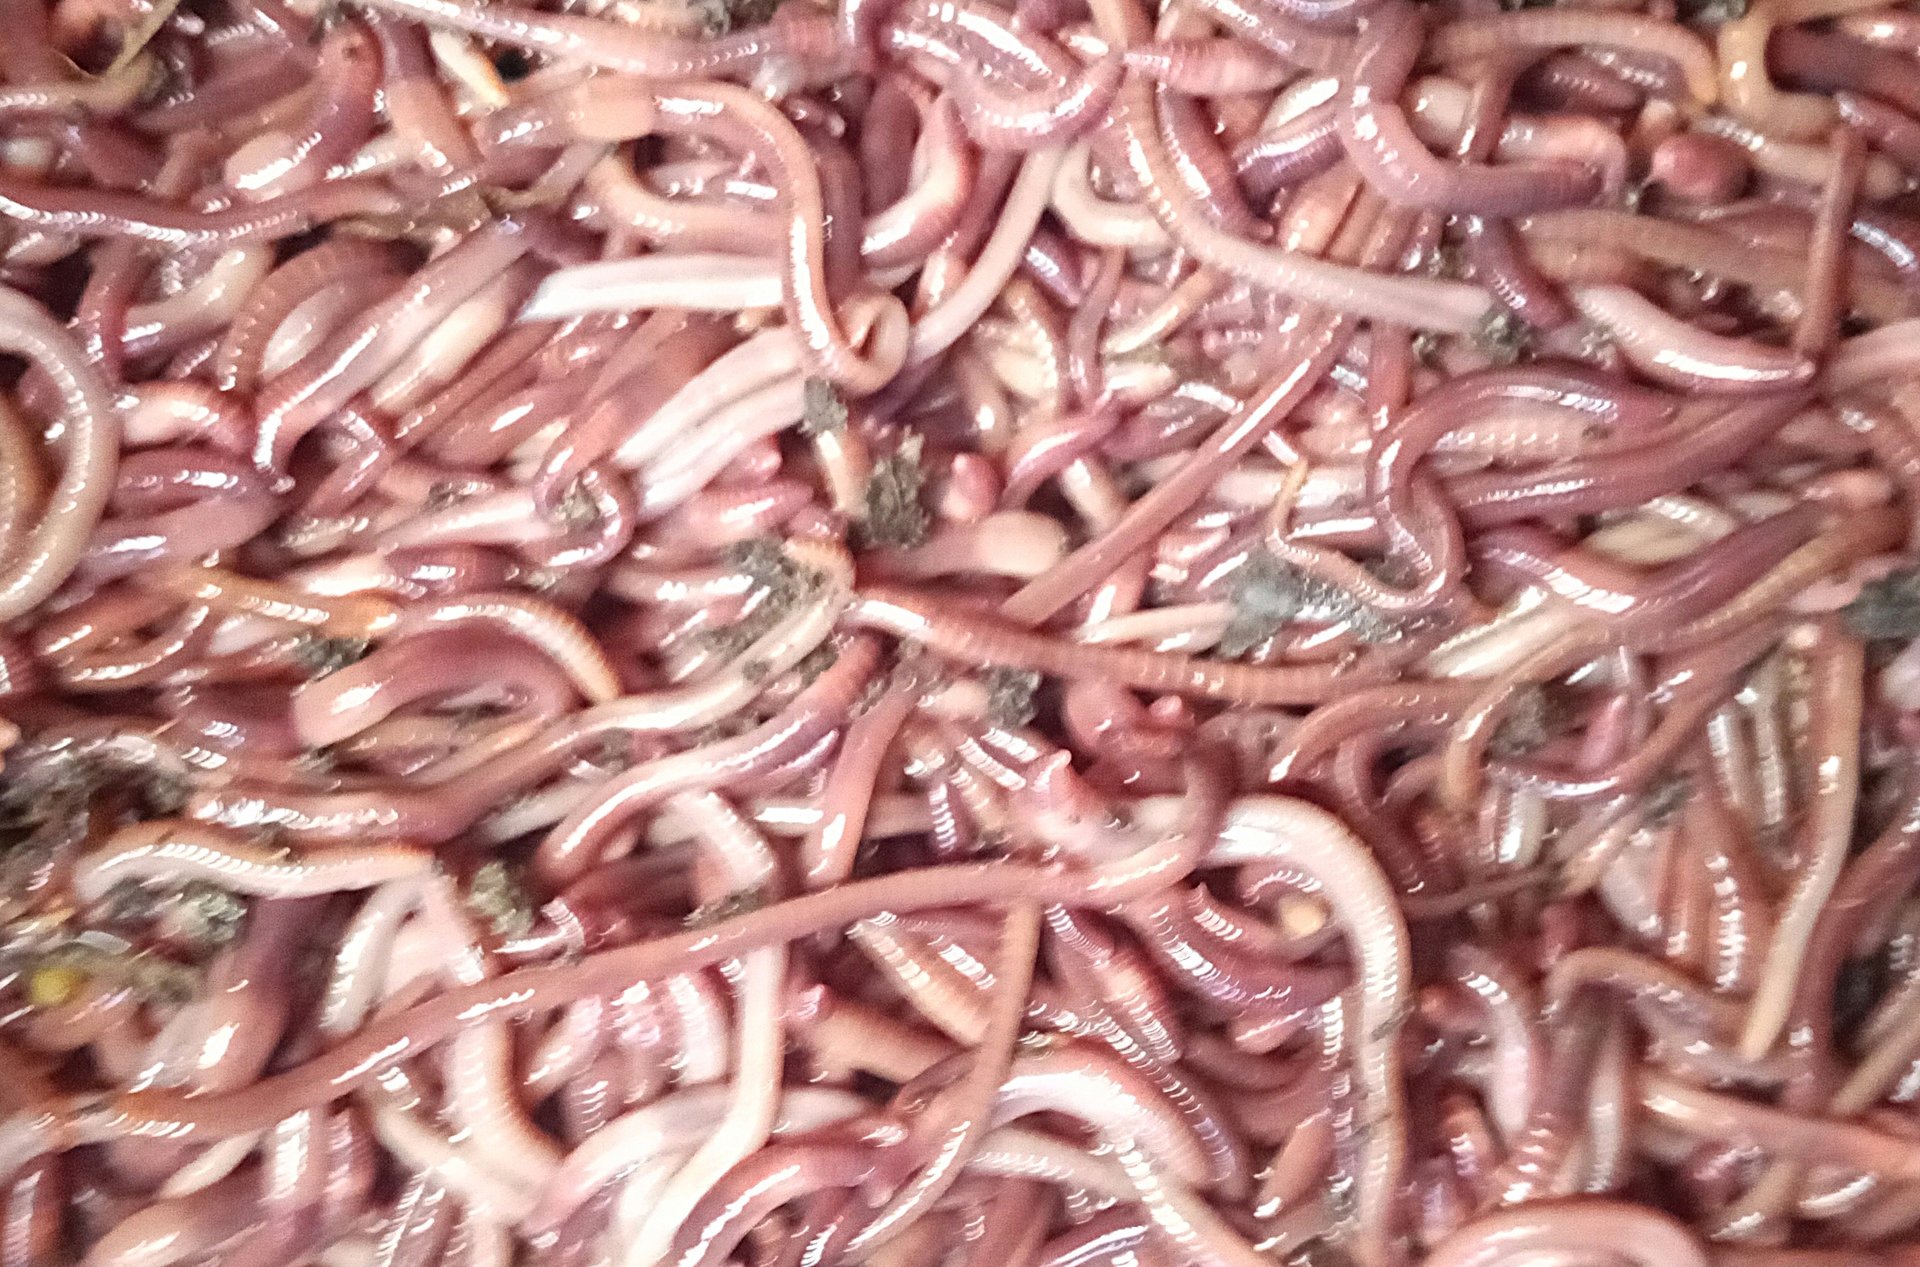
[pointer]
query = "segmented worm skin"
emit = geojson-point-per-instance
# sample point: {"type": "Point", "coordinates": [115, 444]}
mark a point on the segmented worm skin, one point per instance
{"type": "Point", "coordinates": [959, 633]}
{"type": "Point", "coordinates": [1381, 142]}
{"type": "Point", "coordinates": [181, 851]}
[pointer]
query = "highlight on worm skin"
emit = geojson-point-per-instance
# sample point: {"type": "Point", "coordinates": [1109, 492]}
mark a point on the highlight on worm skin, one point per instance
{"type": "Point", "coordinates": [994, 633]}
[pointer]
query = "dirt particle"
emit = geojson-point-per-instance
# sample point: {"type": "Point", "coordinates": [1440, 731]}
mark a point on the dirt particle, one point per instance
{"type": "Point", "coordinates": [320, 655]}
{"type": "Point", "coordinates": [1527, 726]}
{"type": "Point", "coordinates": [1504, 337]}
{"type": "Point", "coordinates": [203, 917]}
{"type": "Point", "coordinates": [767, 562]}
{"type": "Point", "coordinates": [1888, 608]}
{"type": "Point", "coordinates": [497, 897]}
{"type": "Point", "coordinates": [894, 516]}
{"type": "Point", "coordinates": [1266, 594]}
{"type": "Point", "coordinates": [1011, 695]}
{"type": "Point", "coordinates": [781, 584]}
{"type": "Point", "coordinates": [1713, 11]}
{"type": "Point", "coordinates": [576, 510]}
{"type": "Point", "coordinates": [816, 662]}
{"type": "Point", "coordinates": [1665, 798]}
{"type": "Point", "coordinates": [744, 902]}
{"type": "Point", "coordinates": [717, 17]}
{"type": "Point", "coordinates": [822, 410]}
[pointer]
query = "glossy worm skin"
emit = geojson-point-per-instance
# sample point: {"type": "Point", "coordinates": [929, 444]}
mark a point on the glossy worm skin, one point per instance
{"type": "Point", "coordinates": [41, 557]}
{"type": "Point", "coordinates": [959, 633]}
{"type": "Point", "coordinates": [985, 641]}
{"type": "Point", "coordinates": [1382, 144]}
{"type": "Point", "coordinates": [181, 851]}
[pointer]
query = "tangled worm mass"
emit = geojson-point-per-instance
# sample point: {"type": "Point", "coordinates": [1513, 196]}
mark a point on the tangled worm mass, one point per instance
{"type": "Point", "coordinates": [950, 633]}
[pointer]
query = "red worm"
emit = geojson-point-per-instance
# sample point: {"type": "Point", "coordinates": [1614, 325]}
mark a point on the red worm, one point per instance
{"type": "Point", "coordinates": [987, 640]}
{"type": "Point", "coordinates": [1381, 143]}
{"type": "Point", "coordinates": [1588, 484]}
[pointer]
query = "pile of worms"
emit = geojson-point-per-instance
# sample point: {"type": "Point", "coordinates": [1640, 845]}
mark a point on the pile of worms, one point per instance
{"type": "Point", "coordinates": [959, 633]}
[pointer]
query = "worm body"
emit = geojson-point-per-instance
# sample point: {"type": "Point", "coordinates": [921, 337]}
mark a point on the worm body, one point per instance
{"type": "Point", "coordinates": [959, 633]}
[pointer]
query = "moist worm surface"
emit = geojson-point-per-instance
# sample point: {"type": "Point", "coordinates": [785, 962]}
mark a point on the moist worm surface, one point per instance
{"type": "Point", "coordinates": [959, 633]}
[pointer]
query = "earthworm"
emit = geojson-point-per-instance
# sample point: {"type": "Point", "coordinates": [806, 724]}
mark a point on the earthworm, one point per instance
{"type": "Point", "coordinates": [993, 630]}
{"type": "Point", "coordinates": [180, 851]}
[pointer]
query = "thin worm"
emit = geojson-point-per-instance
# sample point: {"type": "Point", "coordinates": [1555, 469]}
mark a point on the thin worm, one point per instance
{"type": "Point", "coordinates": [553, 631]}
{"type": "Point", "coordinates": [1673, 352]}
{"type": "Point", "coordinates": [1837, 663]}
{"type": "Point", "coordinates": [102, 214]}
{"type": "Point", "coordinates": [35, 568]}
{"type": "Point", "coordinates": [1380, 141]}
{"type": "Point", "coordinates": [1562, 28]}
{"type": "Point", "coordinates": [179, 851]}
{"type": "Point", "coordinates": [989, 641]}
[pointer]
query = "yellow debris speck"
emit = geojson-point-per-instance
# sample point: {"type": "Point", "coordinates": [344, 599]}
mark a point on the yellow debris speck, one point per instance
{"type": "Point", "coordinates": [53, 985]}
{"type": "Point", "coordinates": [1300, 916]}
